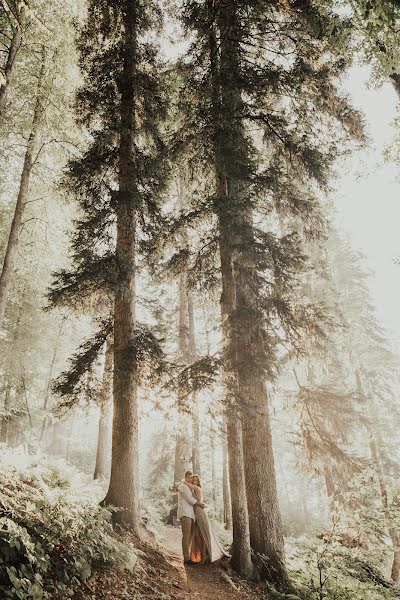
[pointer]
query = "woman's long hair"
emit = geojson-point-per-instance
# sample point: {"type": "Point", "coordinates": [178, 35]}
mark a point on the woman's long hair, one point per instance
{"type": "Point", "coordinates": [198, 477]}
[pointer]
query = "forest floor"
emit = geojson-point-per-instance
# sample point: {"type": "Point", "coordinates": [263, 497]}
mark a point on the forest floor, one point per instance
{"type": "Point", "coordinates": [161, 575]}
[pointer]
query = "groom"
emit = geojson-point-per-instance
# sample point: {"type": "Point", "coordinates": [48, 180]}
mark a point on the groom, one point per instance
{"type": "Point", "coordinates": [186, 504]}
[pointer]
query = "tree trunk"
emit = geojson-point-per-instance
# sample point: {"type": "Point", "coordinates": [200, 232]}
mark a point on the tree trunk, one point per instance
{"type": "Point", "coordinates": [103, 442]}
{"type": "Point", "coordinates": [226, 489]}
{"type": "Point", "coordinates": [6, 417]}
{"type": "Point", "coordinates": [191, 332]}
{"type": "Point", "coordinates": [329, 483]}
{"type": "Point", "coordinates": [181, 457]}
{"type": "Point", "coordinates": [376, 460]}
{"type": "Point", "coordinates": [264, 517]}
{"type": "Point", "coordinates": [8, 421]}
{"type": "Point", "coordinates": [241, 553]}
{"type": "Point", "coordinates": [58, 443]}
{"type": "Point", "coordinates": [395, 80]}
{"type": "Point", "coordinates": [393, 534]}
{"type": "Point", "coordinates": [123, 489]}
{"type": "Point", "coordinates": [183, 334]}
{"type": "Point", "coordinates": [243, 332]}
{"type": "Point", "coordinates": [15, 429]}
{"type": "Point", "coordinates": [246, 335]}
{"type": "Point", "coordinates": [9, 68]}
{"type": "Point", "coordinates": [13, 239]}
{"type": "Point", "coordinates": [196, 455]}
{"type": "Point", "coordinates": [45, 421]}
{"type": "Point", "coordinates": [196, 438]}
{"type": "Point", "coordinates": [182, 450]}
{"type": "Point", "coordinates": [241, 550]}
{"type": "Point", "coordinates": [25, 394]}
{"type": "Point", "coordinates": [187, 353]}
{"type": "Point", "coordinates": [212, 465]}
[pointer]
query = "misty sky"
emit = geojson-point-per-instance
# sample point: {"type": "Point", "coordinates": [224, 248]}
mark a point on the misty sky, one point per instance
{"type": "Point", "coordinates": [367, 197]}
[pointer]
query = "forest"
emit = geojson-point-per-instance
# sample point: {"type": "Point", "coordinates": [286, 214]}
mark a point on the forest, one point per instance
{"type": "Point", "coordinates": [199, 292]}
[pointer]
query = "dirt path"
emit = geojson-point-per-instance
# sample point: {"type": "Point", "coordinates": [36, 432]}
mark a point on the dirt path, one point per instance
{"type": "Point", "coordinates": [209, 582]}
{"type": "Point", "coordinates": [161, 575]}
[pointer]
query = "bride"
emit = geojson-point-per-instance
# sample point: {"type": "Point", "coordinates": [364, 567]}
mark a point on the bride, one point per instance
{"type": "Point", "coordinates": [205, 546]}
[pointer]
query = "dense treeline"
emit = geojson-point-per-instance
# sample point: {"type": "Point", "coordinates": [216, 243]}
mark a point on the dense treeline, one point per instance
{"type": "Point", "coordinates": [168, 250]}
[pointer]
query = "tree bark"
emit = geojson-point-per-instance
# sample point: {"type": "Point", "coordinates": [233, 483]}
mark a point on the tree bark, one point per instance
{"type": "Point", "coordinates": [395, 80]}
{"type": "Point", "coordinates": [240, 289]}
{"type": "Point", "coordinates": [212, 461]}
{"type": "Point", "coordinates": [196, 452]}
{"type": "Point", "coordinates": [246, 337]}
{"type": "Point", "coordinates": [123, 489]}
{"type": "Point", "coordinates": [6, 417]}
{"type": "Point", "coordinates": [181, 457]}
{"type": "Point", "coordinates": [393, 533]}
{"type": "Point", "coordinates": [8, 422]}
{"type": "Point", "coordinates": [9, 68]}
{"type": "Point", "coordinates": [25, 394]}
{"type": "Point", "coordinates": [241, 550]}
{"type": "Point", "coordinates": [103, 441]}
{"type": "Point", "coordinates": [226, 487]}
{"type": "Point", "coordinates": [13, 239]}
{"type": "Point", "coordinates": [196, 438]}
{"type": "Point", "coordinates": [15, 430]}
{"type": "Point", "coordinates": [183, 334]}
{"type": "Point", "coordinates": [192, 331]}
{"type": "Point", "coordinates": [182, 450]}
{"type": "Point", "coordinates": [264, 516]}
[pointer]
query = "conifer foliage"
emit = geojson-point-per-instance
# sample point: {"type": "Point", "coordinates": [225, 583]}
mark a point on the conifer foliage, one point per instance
{"type": "Point", "coordinates": [264, 115]}
{"type": "Point", "coordinates": [117, 182]}
{"type": "Point", "coordinates": [197, 214]}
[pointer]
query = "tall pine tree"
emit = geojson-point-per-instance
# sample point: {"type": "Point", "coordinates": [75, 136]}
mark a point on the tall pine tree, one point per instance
{"type": "Point", "coordinates": [118, 183]}
{"type": "Point", "coordinates": [264, 117]}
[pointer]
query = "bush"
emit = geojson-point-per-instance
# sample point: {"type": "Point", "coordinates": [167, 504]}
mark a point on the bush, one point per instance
{"type": "Point", "coordinates": [52, 534]}
{"type": "Point", "coordinates": [352, 560]}
{"type": "Point", "coordinates": [327, 569]}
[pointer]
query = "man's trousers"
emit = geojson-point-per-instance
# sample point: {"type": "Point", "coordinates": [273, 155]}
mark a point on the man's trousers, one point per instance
{"type": "Point", "coordinates": [186, 524]}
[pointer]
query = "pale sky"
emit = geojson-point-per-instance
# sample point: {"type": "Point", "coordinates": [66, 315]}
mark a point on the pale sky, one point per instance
{"type": "Point", "coordinates": [367, 197]}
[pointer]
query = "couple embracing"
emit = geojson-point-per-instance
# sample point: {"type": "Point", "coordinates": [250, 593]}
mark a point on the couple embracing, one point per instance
{"type": "Point", "coordinates": [199, 542]}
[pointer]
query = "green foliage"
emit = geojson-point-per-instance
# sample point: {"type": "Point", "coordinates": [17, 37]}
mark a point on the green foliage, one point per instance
{"type": "Point", "coordinates": [328, 569]}
{"type": "Point", "coordinates": [78, 383]}
{"type": "Point", "coordinates": [31, 350]}
{"type": "Point", "coordinates": [262, 119]}
{"type": "Point", "coordinates": [342, 385]}
{"type": "Point", "coordinates": [191, 379]}
{"type": "Point", "coordinates": [92, 178]}
{"type": "Point", "coordinates": [378, 24]}
{"type": "Point", "coordinates": [350, 561]}
{"type": "Point", "coordinates": [72, 385]}
{"type": "Point", "coordinates": [371, 505]}
{"type": "Point", "coordinates": [52, 536]}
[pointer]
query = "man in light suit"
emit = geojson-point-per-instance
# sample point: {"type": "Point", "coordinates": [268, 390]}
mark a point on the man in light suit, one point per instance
{"type": "Point", "coordinates": [186, 504]}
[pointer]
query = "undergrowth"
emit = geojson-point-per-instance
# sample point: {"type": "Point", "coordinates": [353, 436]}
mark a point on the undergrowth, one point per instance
{"type": "Point", "coordinates": [352, 559]}
{"type": "Point", "coordinates": [52, 531]}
